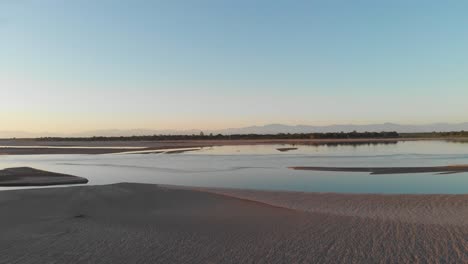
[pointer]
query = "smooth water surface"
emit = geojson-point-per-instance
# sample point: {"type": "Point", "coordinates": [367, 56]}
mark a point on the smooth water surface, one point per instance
{"type": "Point", "coordinates": [264, 167]}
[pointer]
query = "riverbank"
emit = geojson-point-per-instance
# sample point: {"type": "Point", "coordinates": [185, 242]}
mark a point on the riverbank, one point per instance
{"type": "Point", "coordinates": [34, 147]}
{"type": "Point", "coordinates": [130, 223]}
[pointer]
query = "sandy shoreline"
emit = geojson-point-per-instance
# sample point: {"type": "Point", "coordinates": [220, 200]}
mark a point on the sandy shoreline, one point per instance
{"type": "Point", "coordinates": [9, 146]}
{"type": "Point", "coordinates": [390, 170]}
{"type": "Point", "coordinates": [411, 208]}
{"type": "Point", "coordinates": [130, 223]}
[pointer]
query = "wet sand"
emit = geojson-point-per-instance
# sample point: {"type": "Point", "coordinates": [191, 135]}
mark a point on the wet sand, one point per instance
{"type": "Point", "coordinates": [51, 150]}
{"type": "Point", "coordinates": [57, 151]}
{"type": "Point", "coordinates": [391, 170]}
{"type": "Point", "coordinates": [137, 223]}
{"type": "Point", "coordinates": [25, 176]}
{"type": "Point", "coordinates": [285, 149]}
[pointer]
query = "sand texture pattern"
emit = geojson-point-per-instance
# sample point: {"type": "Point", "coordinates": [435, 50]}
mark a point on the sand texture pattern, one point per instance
{"type": "Point", "coordinates": [137, 223]}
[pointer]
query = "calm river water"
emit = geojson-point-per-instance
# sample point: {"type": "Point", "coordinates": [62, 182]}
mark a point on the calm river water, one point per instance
{"type": "Point", "coordinates": [264, 167]}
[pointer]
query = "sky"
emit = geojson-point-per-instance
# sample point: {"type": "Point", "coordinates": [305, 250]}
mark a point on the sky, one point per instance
{"type": "Point", "coordinates": [68, 66]}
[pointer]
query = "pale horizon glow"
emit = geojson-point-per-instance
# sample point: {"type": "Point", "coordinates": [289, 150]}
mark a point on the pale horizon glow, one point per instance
{"type": "Point", "coordinates": [74, 66]}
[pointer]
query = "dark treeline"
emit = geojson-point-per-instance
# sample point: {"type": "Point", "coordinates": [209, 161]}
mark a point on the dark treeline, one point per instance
{"type": "Point", "coordinates": [357, 143]}
{"type": "Point", "coordinates": [202, 136]}
{"type": "Point", "coordinates": [354, 135]}
{"type": "Point", "coordinates": [452, 134]}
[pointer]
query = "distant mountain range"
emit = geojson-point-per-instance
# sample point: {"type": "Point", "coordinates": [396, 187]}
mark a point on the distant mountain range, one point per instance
{"type": "Point", "coordinates": [266, 129]}
{"type": "Point", "coordinates": [278, 128]}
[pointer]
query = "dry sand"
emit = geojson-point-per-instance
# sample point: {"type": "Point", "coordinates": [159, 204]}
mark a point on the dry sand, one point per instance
{"type": "Point", "coordinates": [25, 176]}
{"type": "Point", "coordinates": [137, 223]}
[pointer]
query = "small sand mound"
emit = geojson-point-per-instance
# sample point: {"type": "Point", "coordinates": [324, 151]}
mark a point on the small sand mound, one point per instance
{"type": "Point", "coordinates": [390, 170]}
{"type": "Point", "coordinates": [25, 176]}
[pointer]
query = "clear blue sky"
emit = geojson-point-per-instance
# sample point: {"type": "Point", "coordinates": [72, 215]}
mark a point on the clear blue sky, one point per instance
{"type": "Point", "coordinates": [86, 64]}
